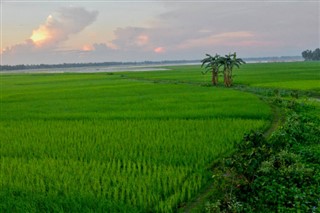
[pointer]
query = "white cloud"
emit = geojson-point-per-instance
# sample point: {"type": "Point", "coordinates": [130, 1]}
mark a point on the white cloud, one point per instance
{"type": "Point", "coordinates": [45, 40]}
{"type": "Point", "coordinates": [63, 23]}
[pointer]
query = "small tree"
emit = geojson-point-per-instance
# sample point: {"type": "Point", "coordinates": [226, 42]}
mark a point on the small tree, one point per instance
{"type": "Point", "coordinates": [212, 64]}
{"type": "Point", "coordinates": [307, 55]}
{"type": "Point", "coordinates": [228, 62]}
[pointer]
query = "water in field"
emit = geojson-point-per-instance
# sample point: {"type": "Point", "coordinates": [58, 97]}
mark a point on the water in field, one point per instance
{"type": "Point", "coordinates": [93, 69]}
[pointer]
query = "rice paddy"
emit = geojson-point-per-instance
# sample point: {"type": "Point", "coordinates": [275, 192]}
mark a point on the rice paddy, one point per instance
{"type": "Point", "coordinates": [124, 142]}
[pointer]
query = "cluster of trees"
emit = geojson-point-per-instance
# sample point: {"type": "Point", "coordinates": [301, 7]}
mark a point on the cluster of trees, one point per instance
{"type": "Point", "coordinates": [227, 62]}
{"type": "Point", "coordinates": [310, 55]}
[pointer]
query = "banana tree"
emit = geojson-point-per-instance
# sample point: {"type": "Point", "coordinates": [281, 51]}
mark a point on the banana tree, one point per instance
{"type": "Point", "coordinates": [211, 64]}
{"type": "Point", "coordinates": [228, 62]}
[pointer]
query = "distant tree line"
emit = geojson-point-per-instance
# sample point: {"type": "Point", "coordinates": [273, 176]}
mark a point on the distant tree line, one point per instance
{"type": "Point", "coordinates": [102, 64]}
{"type": "Point", "coordinates": [310, 55]}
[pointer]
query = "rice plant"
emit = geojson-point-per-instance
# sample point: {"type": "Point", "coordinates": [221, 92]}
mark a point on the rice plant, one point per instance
{"type": "Point", "coordinates": [97, 142]}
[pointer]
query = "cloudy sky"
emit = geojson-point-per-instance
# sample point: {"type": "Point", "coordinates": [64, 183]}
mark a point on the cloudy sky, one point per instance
{"type": "Point", "coordinates": [66, 31]}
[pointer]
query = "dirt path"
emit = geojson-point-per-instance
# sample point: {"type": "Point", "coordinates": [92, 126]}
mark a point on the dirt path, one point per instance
{"type": "Point", "coordinates": [276, 122]}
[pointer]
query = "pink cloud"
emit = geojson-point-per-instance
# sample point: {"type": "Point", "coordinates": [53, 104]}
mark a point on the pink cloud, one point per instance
{"type": "Point", "coordinates": [142, 40]}
{"type": "Point", "coordinates": [159, 50]}
{"type": "Point", "coordinates": [87, 47]}
{"type": "Point", "coordinates": [46, 39]}
{"type": "Point", "coordinates": [250, 43]}
{"type": "Point", "coordinates": [237, 39]}
{"type": "Point", "coordinates": [56, 29]}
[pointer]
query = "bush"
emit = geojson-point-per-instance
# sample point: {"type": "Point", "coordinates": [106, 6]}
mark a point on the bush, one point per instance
{"type": "Point", "coordinates": [278, 175]}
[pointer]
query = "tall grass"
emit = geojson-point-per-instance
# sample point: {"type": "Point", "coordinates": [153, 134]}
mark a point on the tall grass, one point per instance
{"type": "Point", "coordinates": [290, 75]}
{"type": "Point", "coordinates": [98, 142]}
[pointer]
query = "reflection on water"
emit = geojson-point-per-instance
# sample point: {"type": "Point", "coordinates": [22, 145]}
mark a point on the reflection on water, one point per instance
{"type": "Point", "coordinates": [91, 69]}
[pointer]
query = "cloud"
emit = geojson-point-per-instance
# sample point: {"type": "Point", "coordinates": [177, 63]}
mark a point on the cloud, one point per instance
{"type": "Point", "coordinates": [47, 38]}
{"type": "Point", "coordinates": [183, 30]}
{"type": "Point", "coordinates": [87, 47]}
{"type": "Point", "coordinates": [235, 39]}
{"type": "Point", "coordinates": [59, 26]}
{"type": "Point", "coordinates": [159, 50]}
{"type": "Point", "coordinates": [236, 26]}
{"type": "Point", "coordinates": [142, 40]}
{"type": "Point", "coordinates": [130, 38]}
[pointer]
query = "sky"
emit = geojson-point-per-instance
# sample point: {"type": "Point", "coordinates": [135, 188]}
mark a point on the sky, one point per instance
{"type": "Point", "coordinates": [67, 31]}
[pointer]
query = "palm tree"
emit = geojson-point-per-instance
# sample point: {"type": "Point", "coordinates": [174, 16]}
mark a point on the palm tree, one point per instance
{"type": "Point", "coordinates": [212, 64]}
{"type": "Point", "coordinates": [228, 62]}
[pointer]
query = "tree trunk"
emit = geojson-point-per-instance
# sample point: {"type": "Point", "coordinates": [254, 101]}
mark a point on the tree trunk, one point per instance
{"type": "Point", "coordinates": [229, 80]}
{"type": "Point", "coordinates": [230, 77]}
{"type": "Point", "coordinates": [214, 77]}
{"type": "Point", "coordinates": [225, 77]}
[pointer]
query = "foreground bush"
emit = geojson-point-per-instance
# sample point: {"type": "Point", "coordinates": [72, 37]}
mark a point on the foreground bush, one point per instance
{"type": "Point", "coordinates": [281, 174]}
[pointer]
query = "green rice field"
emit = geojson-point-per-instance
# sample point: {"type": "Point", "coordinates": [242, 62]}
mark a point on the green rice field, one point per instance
{"type": "Point", "coordinates": [125, 142]}
{"type": "Point", "coordinates": [286, 75]}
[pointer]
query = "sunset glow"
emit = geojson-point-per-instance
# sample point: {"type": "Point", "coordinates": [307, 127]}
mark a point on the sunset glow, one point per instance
{"type": "Point", "coordinates": [87, 47]}
{"type": "Point", "coordinates": [39, 36]}
{"type": "Point", "coordinates": [160, 30]}
{"type": "Point", "coordinates": [142, 40]}
{"type": "Point", "coordinates": [43, 34]}
{"type": "Point", "coordinates": [159, 50]}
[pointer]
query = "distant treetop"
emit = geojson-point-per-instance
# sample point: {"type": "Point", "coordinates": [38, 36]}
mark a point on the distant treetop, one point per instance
{"type": "Point", "coordinates": [310, 55]}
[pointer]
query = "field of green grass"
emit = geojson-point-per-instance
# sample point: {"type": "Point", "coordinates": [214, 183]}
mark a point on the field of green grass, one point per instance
{"type": "Point", "coordinates": [289, 75]}
{"type": "Point", "coordinates": [124, 142]}
{"type": "Point", "coordinates": [293, 75]}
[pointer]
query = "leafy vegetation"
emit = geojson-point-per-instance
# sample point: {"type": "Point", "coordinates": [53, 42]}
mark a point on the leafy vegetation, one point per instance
{"type": "Point", "coordinates": [213, 63]}
{"type": "Point", "coordinates": [310, 55]}
{"type": "Point", "coordinates": [280, 174]}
